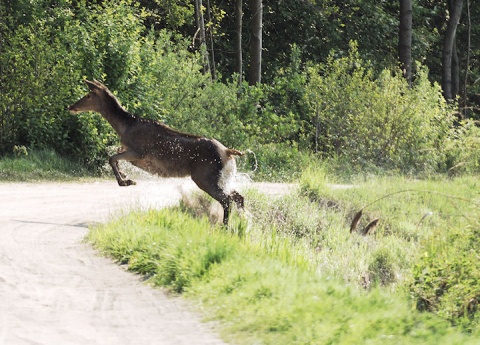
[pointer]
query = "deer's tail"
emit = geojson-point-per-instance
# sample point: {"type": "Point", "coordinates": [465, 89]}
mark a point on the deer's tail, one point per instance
{"type": "Point", "coordinates": [233, 152]}
{"type": "Point", "coordinates": [253, 161]}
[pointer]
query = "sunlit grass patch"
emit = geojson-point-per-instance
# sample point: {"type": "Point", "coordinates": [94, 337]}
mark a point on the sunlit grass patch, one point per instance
{"type": "Point", "coordinates": [39, 165]}
{"type": "Point", "coordinates": [169, 246]}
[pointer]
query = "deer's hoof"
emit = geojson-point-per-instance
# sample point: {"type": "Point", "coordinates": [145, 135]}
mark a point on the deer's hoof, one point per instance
{"type": "Point", "coordinates": [126, 183]}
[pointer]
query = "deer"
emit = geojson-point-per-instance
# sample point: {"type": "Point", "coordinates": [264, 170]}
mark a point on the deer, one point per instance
{"type": "Point", "coordinates": [161, 150]}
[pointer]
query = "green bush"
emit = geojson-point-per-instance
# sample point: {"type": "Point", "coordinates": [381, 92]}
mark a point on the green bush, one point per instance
{"type": "Point", "coordinates": [281, 162]}
{"type": "Point", "coordinates": [377, 121]}
{"type": "Point", "coordinates": [381, 269]}
{"type": "Point", "coordinates": [48, 55]}
{"type": "Point", "coordinates": [463, 148]}
{"type": "Point", "coordinates": [153, 74]}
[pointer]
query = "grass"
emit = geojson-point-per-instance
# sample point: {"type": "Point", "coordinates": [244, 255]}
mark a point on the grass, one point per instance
{"type": "Point", "coordinates": [426, 242]}
{"type": "Point", "coordinates": [291, 272]}
{"type": "Point", "coordinates": [414, 213]}
{"type": "Point", "coordinates": [40, 165]}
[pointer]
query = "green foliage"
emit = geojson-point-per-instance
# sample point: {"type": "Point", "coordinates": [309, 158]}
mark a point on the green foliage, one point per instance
{"type": "Point", "coordinates": [381, 269]}
{"type": "Point", "coordinates": [427, 239]}
{"type": "Point", "coordinates": [48, 56]}
{"type": "Point", "coordinates": [340, 109]}
{"type": "Point", "coordinates": [463, 148]}
{"type": "Point", "coordinates": [152, 73]}
{"type": "Point", "coordinates": [447, 279]}
{"type": "Point", "coordinates": [38, 165]}
{"type": "Point", "coordinates": [276, 162]}
{"type": "Point", "coordinates": [377, 122]}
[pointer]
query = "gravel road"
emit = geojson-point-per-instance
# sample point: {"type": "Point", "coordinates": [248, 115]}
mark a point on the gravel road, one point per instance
{"type": "Point", "coordinates": [54, 289]}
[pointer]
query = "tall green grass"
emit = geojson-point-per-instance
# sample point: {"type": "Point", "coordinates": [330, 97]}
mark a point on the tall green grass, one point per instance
{"type": "Point", "coordinates": [426, 242]}
{"type": "Point", "coordinates": [290, 272]}
{"type": "Point", "coordinates": [39, 165]}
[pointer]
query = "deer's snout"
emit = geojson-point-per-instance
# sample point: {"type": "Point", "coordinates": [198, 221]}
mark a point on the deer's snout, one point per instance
{"type": "Point", "coordinates": [72, 109]}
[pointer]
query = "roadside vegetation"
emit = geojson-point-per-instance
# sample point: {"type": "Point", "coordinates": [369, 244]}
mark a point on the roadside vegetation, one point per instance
{"type": "Point", "coordinates": [289, 271]}
{"type": "Point", "coordinates": [39, 165]}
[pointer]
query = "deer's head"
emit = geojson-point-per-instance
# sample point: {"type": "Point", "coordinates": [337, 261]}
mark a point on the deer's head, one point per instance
{"type": "Point", "coordinates": [92, 101]}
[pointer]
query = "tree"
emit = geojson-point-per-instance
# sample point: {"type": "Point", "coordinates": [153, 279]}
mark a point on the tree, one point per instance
{"type": "Point", "coordinates": [212, 49]}
{"type": "Point", "coordinates": [449, 70]}
{"type": "Point", "coordinates": [255, 73]}
{"type": "Point", "coordinates": [200, 21]}
{"type": "Point", "coordinates": [238, 39]}
{"type": "Point", "coordinates": [467, 67]}
{"type": "Point", "coordinates": [405, 39]}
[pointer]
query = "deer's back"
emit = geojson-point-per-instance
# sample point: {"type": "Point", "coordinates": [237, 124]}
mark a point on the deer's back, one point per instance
{"type": "Point", "coordinates": [170, 153]}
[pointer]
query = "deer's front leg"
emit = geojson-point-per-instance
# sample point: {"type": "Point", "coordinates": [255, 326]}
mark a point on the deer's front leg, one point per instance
{"type": "Point", "coordinates": [127, 156]}
{"type": "Point", "coordinates": [122, 174]}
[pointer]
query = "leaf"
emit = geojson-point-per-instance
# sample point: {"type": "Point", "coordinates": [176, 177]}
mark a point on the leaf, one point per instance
{"type": "Point", "coordinates": [355, 221]}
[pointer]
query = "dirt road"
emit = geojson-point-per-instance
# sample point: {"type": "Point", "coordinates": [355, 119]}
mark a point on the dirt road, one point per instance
{"type": "Point", "coordinates": [54, 289]}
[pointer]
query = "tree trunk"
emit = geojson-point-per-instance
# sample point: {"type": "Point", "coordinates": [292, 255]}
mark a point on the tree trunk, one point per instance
{"type": "Point", "coordinates": [212, 50]}
{"type": "Point", "coordinates": [405, 39]}
{"type": "Point", "coordinates": [255, 73]}
{"type": "Point", "coordinates": [467, 67]}
{"type": "Point", "coordinates": [455, 10]}
{"type": "Point", "coordinates": [202, 37]}
{"type": "Point", "coordinates": [455, 71]}
{"type": "Point", "coordinates": [238, 39]}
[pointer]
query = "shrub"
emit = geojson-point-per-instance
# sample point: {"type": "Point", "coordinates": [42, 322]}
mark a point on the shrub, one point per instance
{"type": "Point", "coordinates": [463, 148]}
{"type": "Point", "coordinates": [48, 55]}
{"type": "Point", "coordinates": [377, 121]}
{"type": "Point", "coordinates": [278, 162]}
{"type": "Point", "coordinates": [339, 108]}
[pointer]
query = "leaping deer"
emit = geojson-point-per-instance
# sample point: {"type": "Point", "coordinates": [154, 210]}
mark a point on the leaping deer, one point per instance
{"type": "Point", "coordinates": [158, 149]}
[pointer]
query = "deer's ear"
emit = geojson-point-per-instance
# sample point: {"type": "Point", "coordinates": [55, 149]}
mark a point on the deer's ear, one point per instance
{"type": "Point", "coordinates": [98, 83]}
{"type": "Point", "coordinates": [91, 85]}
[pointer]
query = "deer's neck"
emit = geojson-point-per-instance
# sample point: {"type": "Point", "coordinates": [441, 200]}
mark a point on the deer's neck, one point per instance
{"type": "Point", "coordinates": [117, 116]}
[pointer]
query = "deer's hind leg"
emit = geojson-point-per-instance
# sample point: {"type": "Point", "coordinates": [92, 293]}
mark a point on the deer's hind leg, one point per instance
{"type": "Point", "coordinates": [210, 186]}
{"type": "Point", "coordinates": [223, 198]}
{"type": "Point", "coordinates": [238, 199]}
{"type": "Point", "coordinates": [225, 201]}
